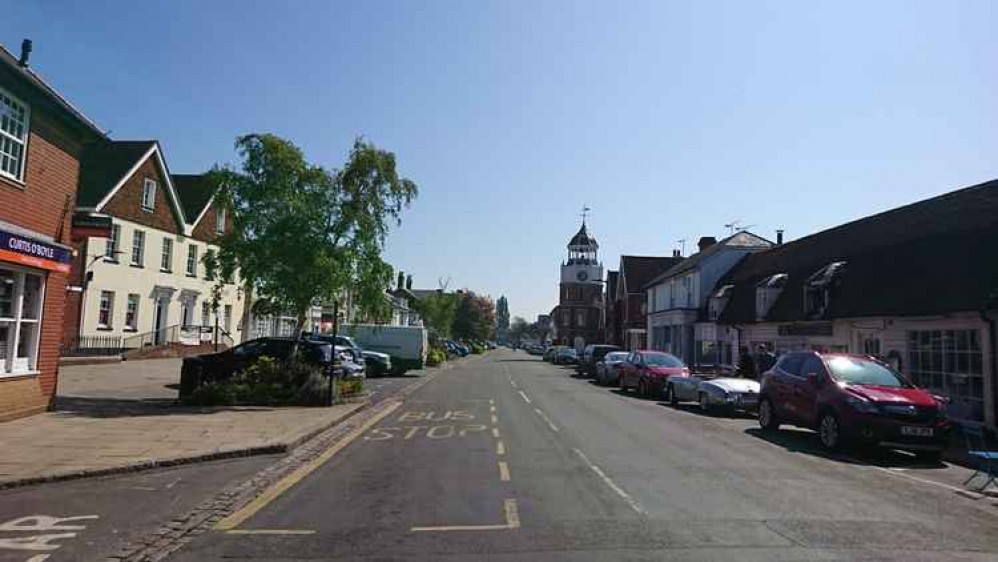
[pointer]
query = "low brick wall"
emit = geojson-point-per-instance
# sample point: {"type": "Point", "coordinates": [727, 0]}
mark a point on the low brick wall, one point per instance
{"type": "Point", "coordinates": [172, 350]}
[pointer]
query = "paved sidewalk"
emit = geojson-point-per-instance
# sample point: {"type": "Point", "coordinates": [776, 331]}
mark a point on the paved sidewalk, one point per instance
{"type": "Point", "coordinates": [120, 417]}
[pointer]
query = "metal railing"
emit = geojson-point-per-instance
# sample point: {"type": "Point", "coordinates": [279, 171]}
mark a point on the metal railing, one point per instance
{"type": "Point", "coordinates": [84, 346]}
{"type": "Point", "coordinates": [190, 334]}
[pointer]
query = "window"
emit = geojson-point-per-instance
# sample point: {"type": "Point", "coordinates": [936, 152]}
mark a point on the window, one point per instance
{"type": "Point", "coordinates": [766, 293]}
{"type": "Point", "coordinates": [220, 221]}
{"type": "Point", "coordinates": [132, 312]}
{"type": "Point", "coordinates": [138, 247]}
{"type": "Point", "coordinates": [106, 311]}
{"type": "Point", "coordinates": [811, 365]}
{"type": "Point", "coordinates": [227, 319]}
{"type": "Point", "coordinates": [185, 313]}
{"type": "Point", "coordinates": [166, 260]}
{"type": "Point", "coordinates": [21, 295]}
{"type": "Point", "coordinates": [950, 363]}
{"type": "Point", "coordinates": [149, 195]}
{"type": "Point", "coordinates": [817, 288]}
{"type": "Point", "coordinates": [113, 243]}
{"type": "Point", "coordinates": [790, 364]}
{"type": "Point", "coordinates": [205, 313]}
{"type": "Point", "coordinates": [192, 260]}
{"type": "Point", "coordinates": [13, 136]}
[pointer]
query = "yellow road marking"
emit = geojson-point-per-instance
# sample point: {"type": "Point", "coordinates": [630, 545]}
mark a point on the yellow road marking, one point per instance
{"type": "Point", "coordinates": [491, 401]}
{"type": "Point", "coordinates": [500, 448]}
{"type": "Point", "coordinates": [493, 409]}
{"type": "Point", "coordinates": [503, 471]}
{"type": "Point", "coordinates": [270, 532]}
{"type": "Point", "coordinates": [270, 494]}
{"type": "Point", "coordinates": [495, 432]}
{"type": "Point", "coordinates": [512, 522]}
{"type": "Point", "coordinates": [495, 419]}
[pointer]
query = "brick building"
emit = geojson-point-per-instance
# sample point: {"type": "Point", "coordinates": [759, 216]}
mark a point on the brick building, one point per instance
{"type": "Point", "coordinates": [41, 139]}
{"type": "Point", "coordinates": [578, 318]}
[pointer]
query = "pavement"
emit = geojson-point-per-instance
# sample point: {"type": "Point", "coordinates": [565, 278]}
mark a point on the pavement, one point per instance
{"type": "Point", "coordinates": [123, 417]}
{"type": "Point", "coordinates": [509, 458]}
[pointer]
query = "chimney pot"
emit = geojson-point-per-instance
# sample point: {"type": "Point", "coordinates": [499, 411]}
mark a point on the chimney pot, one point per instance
{"type": "Point", "coordinates": [25, 53]}
{"type": "Point", "coordinates": [779, 237]}
{"type": "Point", "coordinates": [706, 242]}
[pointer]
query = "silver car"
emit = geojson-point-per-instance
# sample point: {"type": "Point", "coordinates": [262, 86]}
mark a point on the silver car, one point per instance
{"type": "Point", "coordinates": [606, 370]}
{"type": "Point", "coordinates": [712, 392]}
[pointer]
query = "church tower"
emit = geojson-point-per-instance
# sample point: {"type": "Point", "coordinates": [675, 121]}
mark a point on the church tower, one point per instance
{"type": "Point", "coordinates": [578, 318]}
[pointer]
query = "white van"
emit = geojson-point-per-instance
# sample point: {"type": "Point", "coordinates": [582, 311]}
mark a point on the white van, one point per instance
{"type": "Point", "coordinates": [407, 345]}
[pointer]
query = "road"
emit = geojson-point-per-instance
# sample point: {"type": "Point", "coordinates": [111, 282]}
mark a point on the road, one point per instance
{"type": "Point", "coordinates": [105, 513]}
{"type": "Point", "coordinates": [509, 458]}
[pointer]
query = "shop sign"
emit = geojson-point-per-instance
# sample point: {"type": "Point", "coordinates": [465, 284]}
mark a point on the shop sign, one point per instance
{"type": "Point", "coordinates": [808, 329]}
{"type": "Point", "coordinates": [34, 253]}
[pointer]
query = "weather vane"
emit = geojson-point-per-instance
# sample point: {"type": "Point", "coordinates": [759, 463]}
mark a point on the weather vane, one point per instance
{"type": "Point", "coordinates": [585, 212]}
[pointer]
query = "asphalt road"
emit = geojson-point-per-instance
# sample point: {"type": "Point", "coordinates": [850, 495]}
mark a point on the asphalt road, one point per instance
{"type": "Point", "coordinates": [508, 458]}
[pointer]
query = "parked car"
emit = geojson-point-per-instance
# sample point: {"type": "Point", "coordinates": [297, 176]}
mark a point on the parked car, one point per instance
{"type": "Point", "coordinates": [550, 352]}
{"type": "Point", "coordinates": [852, 399]}
{"type": "Point", "coordinates": [351, 363]}
{"type": "Point", "coordinates": [376, 363]}
{"type": "Point", "coordinates": [712, 392]}
{"type": "Point", "coordinates": [590, 356]}
{"type": "Point", "coordinates": [197, 370]}
{"type": "Point", "coordinates": [606, 370]}
{"type": "Point", "coordinates": [566, 356]}
{"type": "Point", "coordinates": [646, 371]}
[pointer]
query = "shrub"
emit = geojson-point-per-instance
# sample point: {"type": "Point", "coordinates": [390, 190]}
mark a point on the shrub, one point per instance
{"type": "Point", "coordinates": [477, 348]}
{"type": "Point", "coordinates": [435, 357]}
{"type": "Point", "coordinates": [351, 386]}
{"type": "Point", "coordinates": [268, 382]}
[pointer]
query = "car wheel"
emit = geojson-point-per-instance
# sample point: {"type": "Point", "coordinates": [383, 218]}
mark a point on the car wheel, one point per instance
{"type": "Point", "coordinates": [829, 431]}
{"type": "Point", "coordinates": [704, 402]}
{"type": "Point", "coordinates": [767, 416]}
{"type": "Point", "coordinates": [642, 391]}
{"type": "Point", "coordinates": [670, 395]}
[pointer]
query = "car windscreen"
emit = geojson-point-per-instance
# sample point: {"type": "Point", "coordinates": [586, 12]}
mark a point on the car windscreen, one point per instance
{"type": "Point", "coordinates": [854, 370]}
{"type": "Point", "coordinates": [616, 356]}
{"type": "Point", "coordinates": [662, 360]}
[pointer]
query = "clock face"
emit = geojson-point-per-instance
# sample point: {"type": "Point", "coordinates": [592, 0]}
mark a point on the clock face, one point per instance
{"type": "Point", "coordinates": [582, 275]}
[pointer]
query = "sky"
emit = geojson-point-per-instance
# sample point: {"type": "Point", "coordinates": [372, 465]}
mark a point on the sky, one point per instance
{"type": "Point", "coordinates": [668, 119]}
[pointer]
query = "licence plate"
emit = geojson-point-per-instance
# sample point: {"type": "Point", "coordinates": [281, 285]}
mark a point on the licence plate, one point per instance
{"type": "Point", "coordinates": [917, 431]}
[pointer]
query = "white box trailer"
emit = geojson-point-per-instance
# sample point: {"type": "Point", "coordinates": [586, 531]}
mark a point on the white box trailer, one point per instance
{"type": "Point", "coordinates": [407, 345]}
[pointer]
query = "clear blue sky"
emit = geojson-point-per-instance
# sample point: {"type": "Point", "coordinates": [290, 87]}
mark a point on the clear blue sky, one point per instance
{"type": "Point", "coordinates": [669, 119]}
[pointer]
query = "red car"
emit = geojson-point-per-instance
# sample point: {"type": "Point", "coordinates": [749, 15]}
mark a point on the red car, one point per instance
{"type": "Point", "coordinates": [646, 371]}
{"type": "Point", "coordinates": [852, 399]}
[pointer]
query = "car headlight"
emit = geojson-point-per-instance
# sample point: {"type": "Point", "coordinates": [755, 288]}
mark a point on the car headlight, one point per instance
{"type": "Point", "coordinates": [861, 405]}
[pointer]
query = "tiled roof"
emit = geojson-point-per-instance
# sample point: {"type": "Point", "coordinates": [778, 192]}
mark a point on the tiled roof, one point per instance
{"type": "Point", "coordinates": [103, 165]}
{"type": "Point", "coordinates": [582, 238]}
{"type": "Point", "coordinates": [639, 270]}
{"type": "Point", "coordinates": [929, 257]}
{"type": "Point", "coordinates": [194, 193]}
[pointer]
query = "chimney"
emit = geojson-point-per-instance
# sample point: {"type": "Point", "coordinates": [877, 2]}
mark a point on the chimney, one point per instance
{"type": "Point", "coordinates": [400, 281]}
{"type": "Point", "coordinates": [408, 282]}
{"type": "Point", "coordinates": [706, 242]}
{"type": "Point", "coordinates": [779, 237]}
{"type": "Point", "coordinates": [676, 253]}
{"type": "Point", "coordinates": [25, 53]}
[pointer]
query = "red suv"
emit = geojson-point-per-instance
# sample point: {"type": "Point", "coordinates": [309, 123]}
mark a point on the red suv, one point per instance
{"type": "Point", "coordinates": [646, 371]}
{"type": "Point", "coordinates": [852, 399]}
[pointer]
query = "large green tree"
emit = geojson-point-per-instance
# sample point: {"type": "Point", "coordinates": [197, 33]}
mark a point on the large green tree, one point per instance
{"type": "Point", "coordinates": [476, 317]}
{"type": "Point", "coordinates": [438, 312]}
{"type": "Point", "coordinates": [301, 233]}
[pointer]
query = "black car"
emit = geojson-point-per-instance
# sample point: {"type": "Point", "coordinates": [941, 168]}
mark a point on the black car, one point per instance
{"type": "Point", "coordinates": [222, 365]}
{"type": "Point", "coordinates": [592, 355]}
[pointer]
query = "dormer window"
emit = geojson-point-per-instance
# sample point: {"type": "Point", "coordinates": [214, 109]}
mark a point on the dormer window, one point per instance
{"type": "Point", "coordinates": [149, 195]}
{"type": "Point", "coordinates": [718, 301]}
{"type": "Point", "coordinates": [766, 293]}
{"type": "Point", "coordinates": [220, 220]}
{"type": "Point", "coordinates": [816, 290]}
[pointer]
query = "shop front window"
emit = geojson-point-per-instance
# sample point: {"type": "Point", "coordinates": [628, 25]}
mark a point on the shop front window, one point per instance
{"type": "Point", "coordinates": [950, 363]}
{"type": "Point", "coordinates": [21, 296]}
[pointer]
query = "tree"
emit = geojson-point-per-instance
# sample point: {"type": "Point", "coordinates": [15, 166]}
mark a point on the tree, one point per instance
{"type": "Point", "coordinates": [502, 318]}
{"type": "Point", "coordinates": [476, 317]}
{"type": "Point", "coordinates": [520, 330]}
{"type": "Point", "coordinates": [300, 233]}
{"type": "Point", "coordinates": [438, 313]}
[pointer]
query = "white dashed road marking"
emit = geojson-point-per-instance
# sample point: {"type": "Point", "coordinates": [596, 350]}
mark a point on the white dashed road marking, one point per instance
{"type": "Point", "coordinates": [610, 483]}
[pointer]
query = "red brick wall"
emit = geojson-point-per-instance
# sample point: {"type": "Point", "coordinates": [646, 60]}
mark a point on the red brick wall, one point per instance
{"type": "Point", "coordinates": [205, 230]}
{"type": "Point", "coordinates": [41, 205]}
{"type": "Point", "coordinates": [127, 202]}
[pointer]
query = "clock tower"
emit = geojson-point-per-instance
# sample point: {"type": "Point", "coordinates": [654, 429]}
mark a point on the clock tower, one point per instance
{"type": "Point", "coordinates": [578, 318]}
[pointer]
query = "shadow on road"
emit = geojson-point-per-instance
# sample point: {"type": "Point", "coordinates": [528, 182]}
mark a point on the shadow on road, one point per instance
{"type": "Point", "coordinates": [525, 359]}
{"type": "Point", "coordinates": [806, 442]}
{"type": "Point", "coordinates": [693, 408]}
{"type": "Point", "coordinates": [92, 407]}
